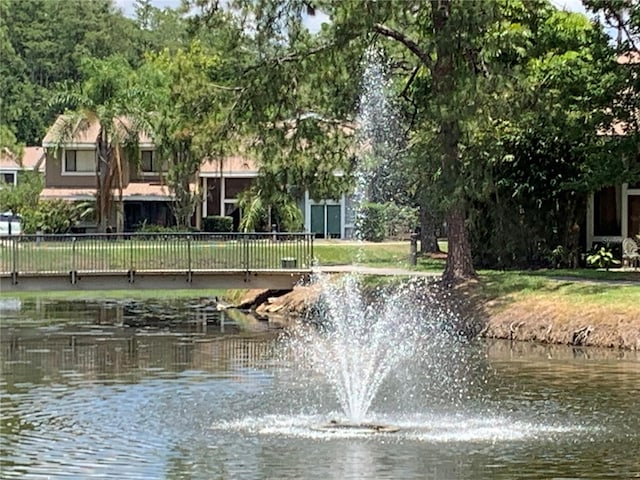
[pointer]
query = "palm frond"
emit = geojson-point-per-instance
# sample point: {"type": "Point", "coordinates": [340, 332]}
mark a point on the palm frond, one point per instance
{"type": "Point", "coordinates": [253, 210]}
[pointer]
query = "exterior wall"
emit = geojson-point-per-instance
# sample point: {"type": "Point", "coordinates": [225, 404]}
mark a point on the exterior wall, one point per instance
{"type": "Point", "coordinates": [136, 174]}
{"type": "Point", "coordinates": [55, 177]}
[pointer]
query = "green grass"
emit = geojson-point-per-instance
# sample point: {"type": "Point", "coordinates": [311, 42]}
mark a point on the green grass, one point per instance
{"type": "Point", "coordinates": [511, 286]}
{"type": "Point", "coordinates": [387, 254]}
{"type": "Point", "coordinates": [590, 274]}
{"type": "Point", "coordinates": [382, 254]}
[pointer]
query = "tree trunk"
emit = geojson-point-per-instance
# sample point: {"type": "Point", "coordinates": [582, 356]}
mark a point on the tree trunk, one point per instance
{"type": "Point", "coordinates": [103, 182]}
{"type": "Point", "coordinates": [444, 81]}
{"type": "Point", "coordinates": [459, 262]}
{"type": "Point", "coordinates": [428, 231]}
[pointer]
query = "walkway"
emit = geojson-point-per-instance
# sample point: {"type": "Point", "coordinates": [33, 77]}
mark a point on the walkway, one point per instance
{"type": "Point", "coordinates": [366, 270]}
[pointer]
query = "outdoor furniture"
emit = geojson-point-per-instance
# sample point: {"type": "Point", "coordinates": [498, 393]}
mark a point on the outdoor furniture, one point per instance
{"type": "Point", "coordinates": [630, 255]}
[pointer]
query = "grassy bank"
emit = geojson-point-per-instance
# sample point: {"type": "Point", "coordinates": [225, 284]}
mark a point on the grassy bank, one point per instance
{"type": "Point", "coordinates": [583, 288]}
{"type": "Point", "coordinates": [576, 311]}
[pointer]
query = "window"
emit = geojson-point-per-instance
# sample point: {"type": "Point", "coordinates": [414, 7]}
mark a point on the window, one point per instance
{"type": "Point", "coordinates": [70, 160]}
{"type": "Point", "coordinates": [607, 212]}
{"type": "Point", "coordinates": [79, 161]}
{"type": "Point", "coordinates": [146, 162]}
{"type": "Point", "coordinates": [8, 178]}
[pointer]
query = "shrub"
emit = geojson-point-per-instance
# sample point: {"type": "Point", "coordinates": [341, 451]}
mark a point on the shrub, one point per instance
{"type": "Point", "coordinates": [217, 223]}
{"type": "Point", "coordinates": [400, 221]}
{"type": "Point", "coordinates": [602, 258]}
{"type": "Point", "coordinates": [149, 228]}
{"type": "Point", "coordinates": [372, 222]}
{"type": "Point", "coordinates": [50, 216]}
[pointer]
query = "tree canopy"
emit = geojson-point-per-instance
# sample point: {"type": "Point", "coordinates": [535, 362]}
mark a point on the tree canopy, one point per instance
{"type": "Point", "coordinates": [503, 108]}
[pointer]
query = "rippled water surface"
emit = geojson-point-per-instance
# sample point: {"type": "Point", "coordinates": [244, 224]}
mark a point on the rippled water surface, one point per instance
{"type": "Point", "coordinates": [163, 390]}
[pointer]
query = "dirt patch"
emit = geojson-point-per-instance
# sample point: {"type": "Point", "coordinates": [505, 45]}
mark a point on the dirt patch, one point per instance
{"type": "Point", "coordinates": [558, 321]}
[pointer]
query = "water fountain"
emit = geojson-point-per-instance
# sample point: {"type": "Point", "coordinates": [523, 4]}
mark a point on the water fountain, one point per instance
{"type": "Point", "coordinates": [373, 362]}
{"type": "Point", "coordinates": [357, 346]}
{"type": "Point", "coordinates": [359, 343]}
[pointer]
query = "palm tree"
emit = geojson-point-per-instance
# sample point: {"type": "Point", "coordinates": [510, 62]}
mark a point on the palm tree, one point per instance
{"type": "Point", "coordinates": [108, 99]}
{"type": "Point", "coordinates": [270, 200]}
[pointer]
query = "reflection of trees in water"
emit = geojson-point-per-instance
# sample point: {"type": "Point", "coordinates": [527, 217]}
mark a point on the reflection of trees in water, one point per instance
{"type": "Point", "coordinates": [62, 357]}
{"type": "Point", "coordinates": [152, 312]}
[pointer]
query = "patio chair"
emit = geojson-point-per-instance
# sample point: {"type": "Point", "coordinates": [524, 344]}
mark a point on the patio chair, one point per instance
{"type": "Point", "coordinates": [630, 255]}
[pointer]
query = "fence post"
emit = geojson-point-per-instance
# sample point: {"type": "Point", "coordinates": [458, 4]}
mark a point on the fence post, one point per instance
{"type": "Point", "coordinates": [14, 255]}
{"type": "Point", "coordinates": [190, 273]}
{"type": "Point", "coordinates": [245, 242]}
{"type": "Point", "coordinates": [413, 251]}
{"type": "Point", "coordinates": [131, 271]}
{"type": "Point", "coordinates": [74, 272]}
{"type": "Point", "coordinates": [310, 243]}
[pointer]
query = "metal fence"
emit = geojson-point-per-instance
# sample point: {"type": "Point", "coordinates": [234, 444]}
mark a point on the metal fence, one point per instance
{"type": "Point", "coordinates": [155, 252]}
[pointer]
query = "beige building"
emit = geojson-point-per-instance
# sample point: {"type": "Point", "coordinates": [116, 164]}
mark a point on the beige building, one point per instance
{"type": "Point", "coordinates": [33, 159]}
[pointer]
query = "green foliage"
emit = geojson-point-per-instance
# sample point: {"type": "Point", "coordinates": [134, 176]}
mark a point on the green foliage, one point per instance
{"type": "Point", "coordinates": [501, 102]}
{"type": "Point", "coordinates": [44, 43]}
{"type": "Point", "coordinates": [110, 97]}
{"type": "Point", "coordinates": [215, 223]}
{"type": "Point", "coordinates": [381, 221]}
{"type": "Point", "coordinates": [152, 228]}
{"type": "Point", "coordinates": [50, 216]}
{"type": "Point", "coordinates": [265, 204]}
{"type": "Point", "coordinates": [372, 225]}
{"type": "Point", "coordinates": [9, 145]}
{"type": "Point", "coordinates": [400, 220]}
{"type": "Point", "coordinates": [23, 196]}
{"type": "Point", "coordinates": [602, 258]}
{"type": "Point", "coordinates": [185, 106]}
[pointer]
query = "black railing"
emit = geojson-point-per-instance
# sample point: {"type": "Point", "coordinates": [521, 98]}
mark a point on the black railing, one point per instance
{"type": "Point", "coordinates": [154, 252]}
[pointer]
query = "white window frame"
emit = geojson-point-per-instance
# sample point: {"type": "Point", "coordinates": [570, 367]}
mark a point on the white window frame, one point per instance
{"type": "Point", "coordinates": [152, 172]}
{"type": "Point", "coordinates": [12, 172]}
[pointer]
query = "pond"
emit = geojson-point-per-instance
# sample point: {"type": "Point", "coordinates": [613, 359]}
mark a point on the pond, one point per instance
{"type": "Point", "coordinates": [90, 390]}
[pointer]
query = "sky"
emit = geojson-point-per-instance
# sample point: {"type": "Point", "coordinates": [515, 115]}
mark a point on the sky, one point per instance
{"type": "Point", "coordinates": [313, 23]}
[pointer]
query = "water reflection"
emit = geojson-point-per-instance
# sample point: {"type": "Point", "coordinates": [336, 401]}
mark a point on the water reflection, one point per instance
{"type": "Point", "coordinates": [87, 396]}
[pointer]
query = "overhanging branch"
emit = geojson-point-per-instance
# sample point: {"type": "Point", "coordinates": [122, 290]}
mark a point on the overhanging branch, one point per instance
{"type": "Point", "coordinates": [291, 57]}
{"type": "Point", "coordinates": [406, 41]}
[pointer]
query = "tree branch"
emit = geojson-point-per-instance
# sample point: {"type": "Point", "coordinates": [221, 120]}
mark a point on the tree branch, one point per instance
{"type": "Point", "coordinates": [291, 57]}
{"type": "Point", "coordinates": [622, 24]}
{"type": "Point", "coordinates": [410, 81]}
{"type": "Point", "coordinates": [406, 41]}
{"type": "Point", "coordinates": [224, 87]}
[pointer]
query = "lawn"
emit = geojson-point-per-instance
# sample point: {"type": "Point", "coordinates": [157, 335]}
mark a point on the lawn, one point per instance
{"type": "Point", "coordinates": [584, 287]}
{"type": "Point", "coordinates": [386, 254]}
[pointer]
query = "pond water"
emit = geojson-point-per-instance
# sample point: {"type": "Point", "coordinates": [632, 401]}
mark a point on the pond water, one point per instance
{"type": "Point", "coordinates": [90, 390]}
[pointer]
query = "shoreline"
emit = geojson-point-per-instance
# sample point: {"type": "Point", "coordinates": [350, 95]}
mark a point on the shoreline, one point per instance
{"type": "Point", "coordinates": [532, 318]}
